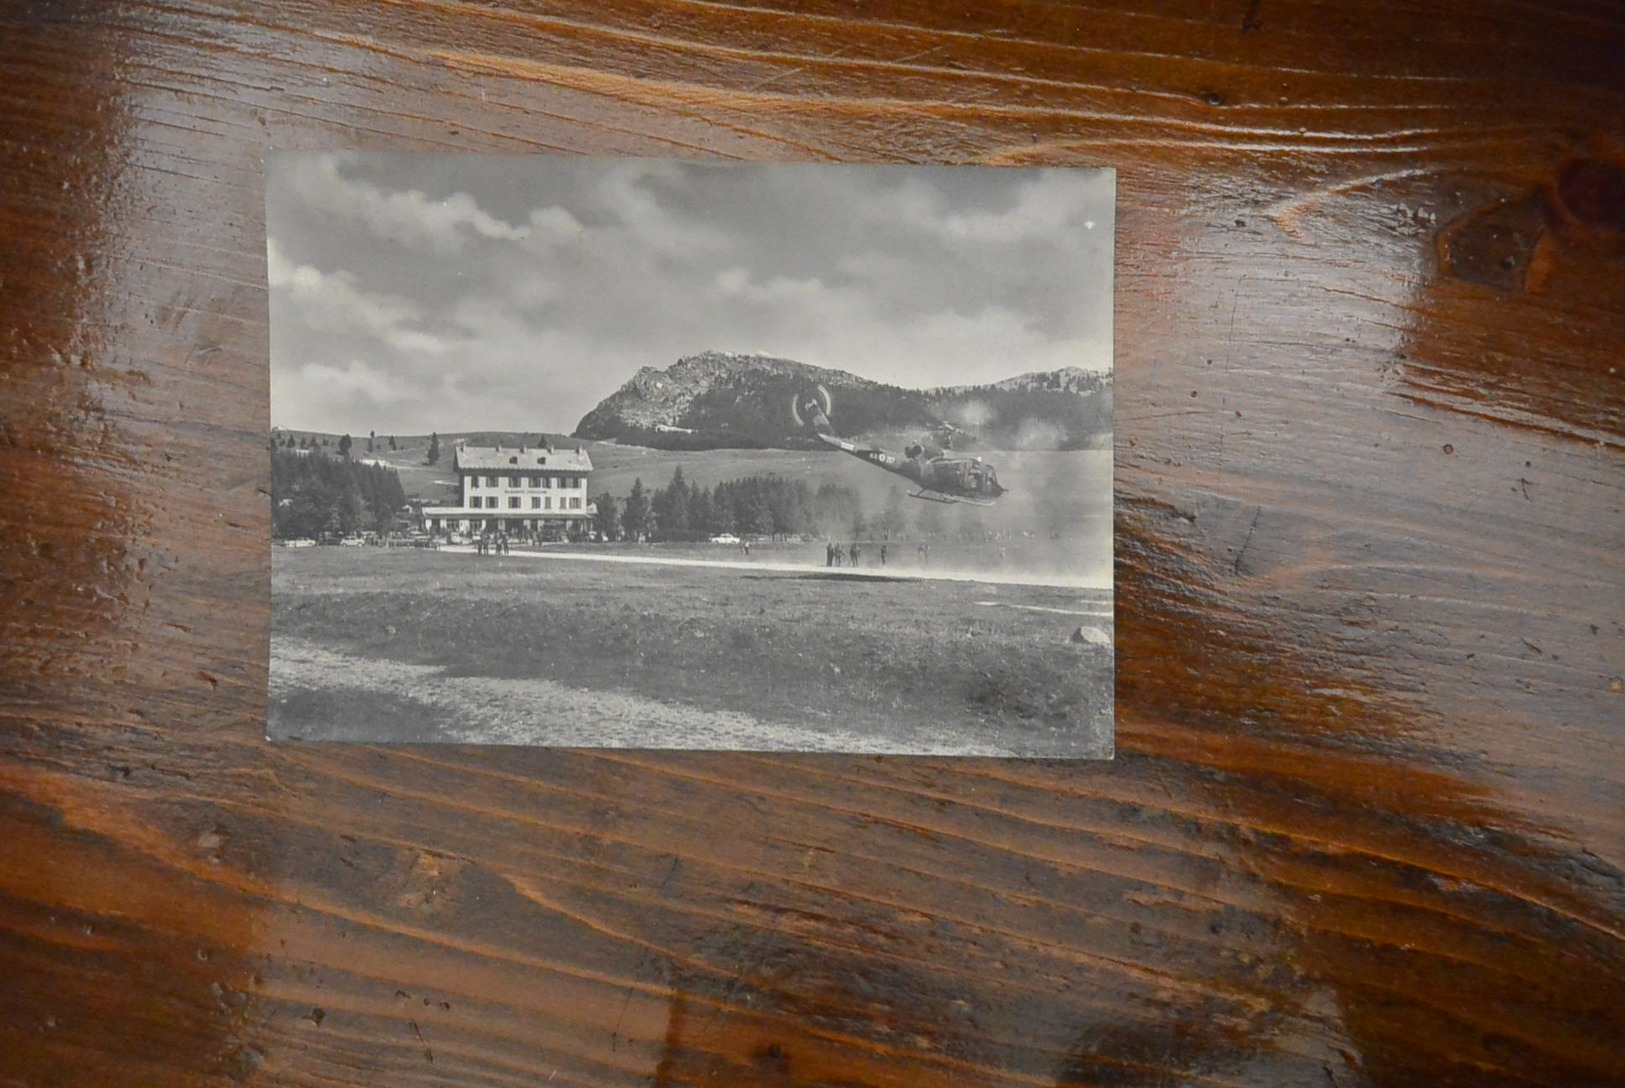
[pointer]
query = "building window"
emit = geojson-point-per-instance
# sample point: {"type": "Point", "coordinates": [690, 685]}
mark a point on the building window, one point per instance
{"type": "Point", "coordinates": [547, 503]}
{"type": "Point", "coordinates": [513, 481]}
{"type": "Point", "coordinates": [533, 481]}
{"type": "Point", "coordinates": [490, 502]}
{"type": "Point", "coordinates": [513, 503]}
{"type": "Point", "coordinates": [547, 481]}
{"type": "Point", "coordinates": [535, 503]}
{"type": "Point", "coordinates": [575, 504]}
{"type": "Point", "coordinates": [473, 481]}
{"type": "Point", "coordinates": [490, 481]}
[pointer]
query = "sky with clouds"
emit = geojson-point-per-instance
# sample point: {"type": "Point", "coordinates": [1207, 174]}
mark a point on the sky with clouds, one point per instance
{"type": "Point", "coordinates": [412, 293]}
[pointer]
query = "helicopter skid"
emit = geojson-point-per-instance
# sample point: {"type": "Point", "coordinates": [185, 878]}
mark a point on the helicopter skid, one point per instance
{"type": "Point", "coordinates": [947, 500]}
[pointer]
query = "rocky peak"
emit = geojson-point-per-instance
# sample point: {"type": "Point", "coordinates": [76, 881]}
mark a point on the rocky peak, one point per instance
{"type": "Point", "coordinates": [659, 397]}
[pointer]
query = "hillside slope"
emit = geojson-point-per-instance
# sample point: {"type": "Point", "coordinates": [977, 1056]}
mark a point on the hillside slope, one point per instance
{"type": "Point", "coordinates": [721, 400]}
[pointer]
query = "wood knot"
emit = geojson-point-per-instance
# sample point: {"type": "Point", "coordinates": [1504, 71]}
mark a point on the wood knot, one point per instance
{"type": "Point", "coordinates": [1591, 193]}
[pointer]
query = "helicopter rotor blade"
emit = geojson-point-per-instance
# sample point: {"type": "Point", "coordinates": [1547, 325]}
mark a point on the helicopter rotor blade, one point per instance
{"type": "Point", "coordinates": [820, 404]}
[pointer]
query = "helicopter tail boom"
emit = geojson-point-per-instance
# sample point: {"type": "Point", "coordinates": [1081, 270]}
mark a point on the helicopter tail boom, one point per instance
{"type": "Point", "coordinates": [936, 477]}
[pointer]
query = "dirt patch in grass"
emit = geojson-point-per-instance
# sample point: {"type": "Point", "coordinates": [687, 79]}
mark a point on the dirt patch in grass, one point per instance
{"type": "Point", "coordinates": [354, 714]}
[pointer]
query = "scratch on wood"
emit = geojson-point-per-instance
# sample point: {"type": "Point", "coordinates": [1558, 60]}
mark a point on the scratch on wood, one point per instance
{"type": "Point", "coordinates": [1236, 567]}
{"type": "Point", "coordinates": [428, 1055]}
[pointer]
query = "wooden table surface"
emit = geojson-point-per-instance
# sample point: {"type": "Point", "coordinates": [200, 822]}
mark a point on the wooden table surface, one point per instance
{"type": "Point", "coordinates": [1367, 820]}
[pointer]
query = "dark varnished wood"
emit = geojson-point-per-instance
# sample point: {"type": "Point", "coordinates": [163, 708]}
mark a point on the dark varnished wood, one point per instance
{"type": "Point", "coordinates": [1365, 824]}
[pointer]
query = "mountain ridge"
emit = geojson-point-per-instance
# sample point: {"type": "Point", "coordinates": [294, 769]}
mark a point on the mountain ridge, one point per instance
{"type": "Point", "coordinates": [718, 399]}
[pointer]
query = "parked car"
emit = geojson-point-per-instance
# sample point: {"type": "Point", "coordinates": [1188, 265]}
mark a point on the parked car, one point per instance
{"type": "Point", "coordinates": [725, 538]}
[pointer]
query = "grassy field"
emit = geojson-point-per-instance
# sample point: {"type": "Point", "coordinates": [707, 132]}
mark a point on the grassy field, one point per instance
{"type": "Point", "coordinates": [413, 645]}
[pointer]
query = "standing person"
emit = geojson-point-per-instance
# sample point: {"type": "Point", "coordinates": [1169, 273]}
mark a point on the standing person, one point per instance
{"type": "Point", "coordinates": [829, 553]}
{"type": "Point", "coordinates": [853, 554]}
{"type": "Point", "coordinates": [883, 554]}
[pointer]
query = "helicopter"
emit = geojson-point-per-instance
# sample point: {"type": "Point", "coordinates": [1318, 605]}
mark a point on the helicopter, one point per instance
{"type": "Point", "coordinates": [940, 476]}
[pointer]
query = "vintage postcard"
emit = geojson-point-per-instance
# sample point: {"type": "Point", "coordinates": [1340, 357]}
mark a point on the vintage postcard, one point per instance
{"type": "Point", "coordinates": [666, 454]}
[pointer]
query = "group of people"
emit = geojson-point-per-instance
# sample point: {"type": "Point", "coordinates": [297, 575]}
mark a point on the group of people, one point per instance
{"type": "Point", "coordinates": [835, 555]}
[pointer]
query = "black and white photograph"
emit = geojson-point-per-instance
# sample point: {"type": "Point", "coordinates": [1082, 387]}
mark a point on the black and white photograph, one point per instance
{"type": "Point", "coordinates": [662, 454]}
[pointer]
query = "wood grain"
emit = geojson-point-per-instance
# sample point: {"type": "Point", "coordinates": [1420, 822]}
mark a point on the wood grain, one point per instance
{"type": "Point", "coordinates": [1366, 822]}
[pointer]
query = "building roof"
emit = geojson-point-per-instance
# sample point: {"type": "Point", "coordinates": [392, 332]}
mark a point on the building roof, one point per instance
{"type": "Point", "coordinates": [522, 459]}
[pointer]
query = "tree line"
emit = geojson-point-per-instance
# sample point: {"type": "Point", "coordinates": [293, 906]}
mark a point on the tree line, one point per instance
{"type": "Point", "coordinates": [313, 494]}
{"type": "Point", "coordinates": [770, 506]}
{"type": "Point", "coordinates": [346, 444]}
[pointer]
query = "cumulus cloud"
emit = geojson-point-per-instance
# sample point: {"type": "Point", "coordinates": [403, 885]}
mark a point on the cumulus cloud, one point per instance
{"type": "Point", "coordinates": [407, 216]}
{"type": "Point", "coordinates": [629, 197]}
{"type": "Point", "coordinates": [355, 380]}
{"type": "Point", "coordinates": [552, 226]}
{"type": "Point", "coordinates": [775, 291]}
{"type": "Point", "coordinates": [1044, 207]}
{"type": "Point", "coordinates": [1037, 206]}
{"type": "Point", "coordinates": [331, 302]}
{"type": "Point", "coordinates": [462, 293]}
{"type": "Point", "coordinates": [843, 326]}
